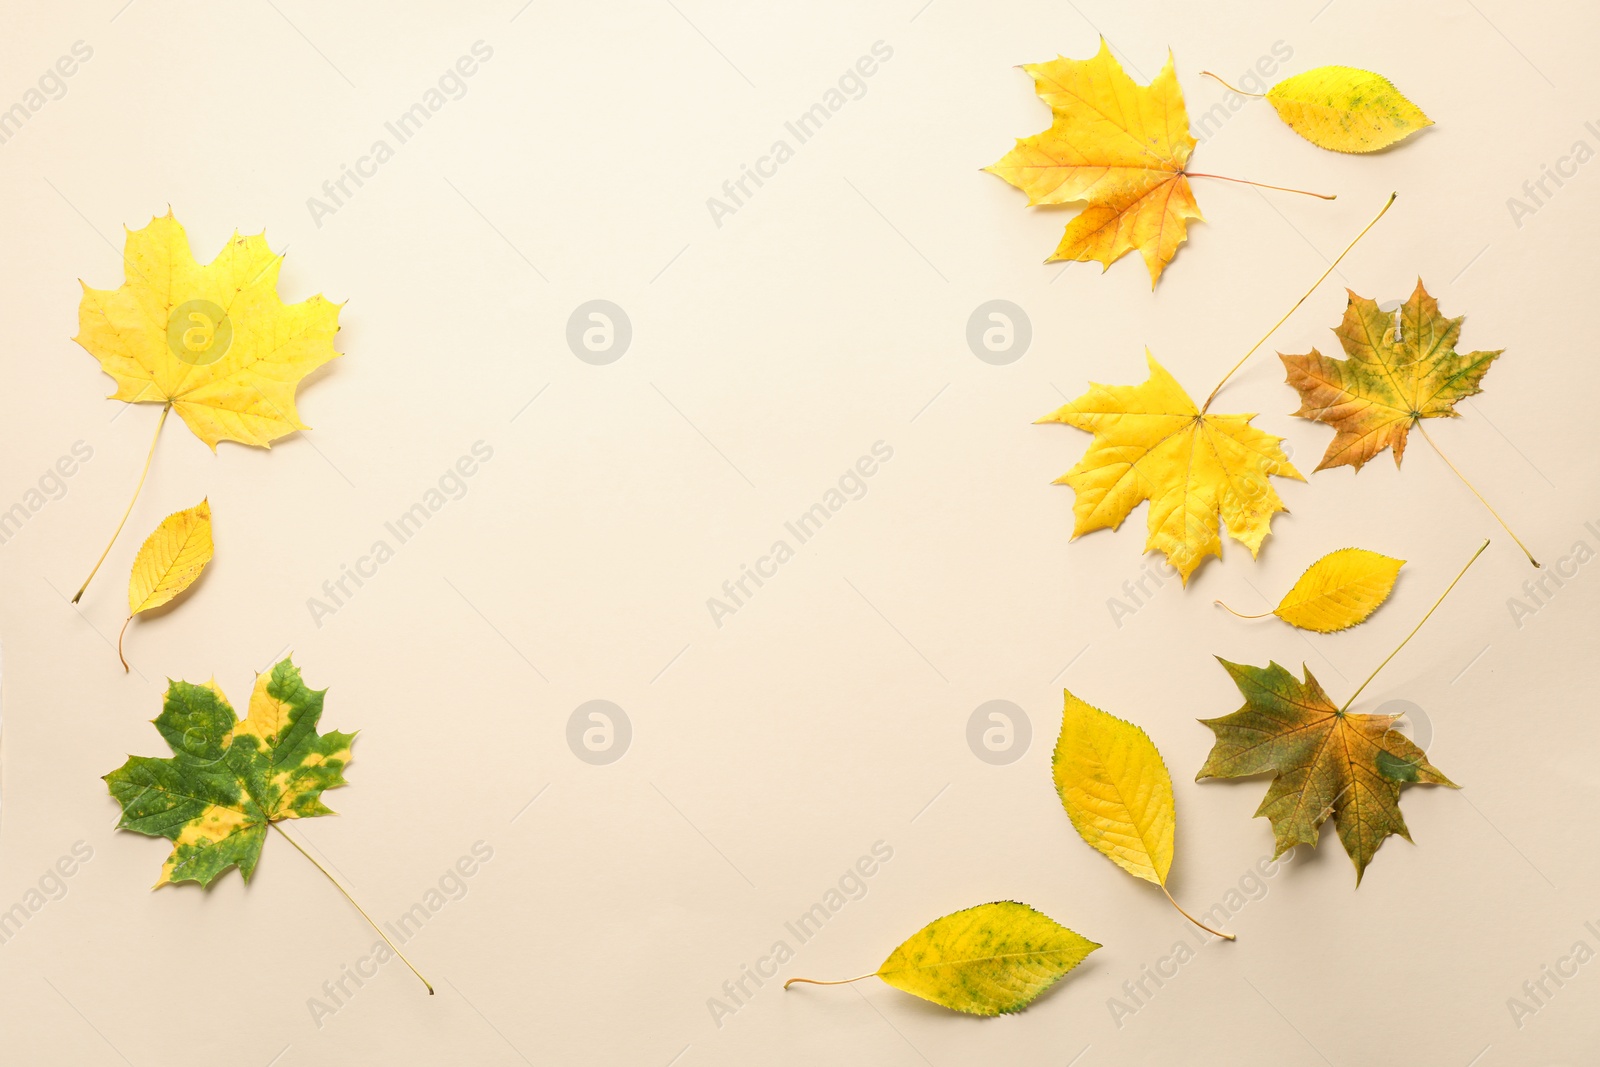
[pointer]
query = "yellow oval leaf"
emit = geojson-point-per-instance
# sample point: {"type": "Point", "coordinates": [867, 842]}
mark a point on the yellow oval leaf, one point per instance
{"type": "Point", "coordinates": [989, 960]}
{"type": "Point", "coordinates": [171, 558]}
{"type": "Point", "coordinates": [1344, 109]}
{"type": "Point", "coordinates": [1339, 590]}
{"type": "Point", "coordinates": [1116, 790]}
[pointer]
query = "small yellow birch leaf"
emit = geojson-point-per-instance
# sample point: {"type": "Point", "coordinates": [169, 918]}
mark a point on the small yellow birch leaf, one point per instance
{"type": "Point", "coordinates": [1116, 790]}
{"type": "Point", "coordinates": [993, 959]}
{"type": "Point", "coordinates": [1344, 109]}
{"type": "Point", "coordinates": [1339, 590]}
{"type": "Point", "coordinates": [169, 562]}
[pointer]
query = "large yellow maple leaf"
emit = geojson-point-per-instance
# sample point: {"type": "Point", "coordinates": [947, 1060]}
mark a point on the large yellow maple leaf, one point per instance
{"type": "Point", "coordinates": [1198, 470]}
{"type": "Point", "coordinates": [1121, 147]}
{"type": "Point", "coordinates": [214, 343]}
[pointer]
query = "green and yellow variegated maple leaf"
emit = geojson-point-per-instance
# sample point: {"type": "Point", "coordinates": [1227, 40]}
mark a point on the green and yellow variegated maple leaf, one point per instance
{"type": "Point", "coordinates": [1324, 761]}
{"type": "Point", "coordinates": [1151, 442]}
{"type": "Point", "coordinates": [229, 778]}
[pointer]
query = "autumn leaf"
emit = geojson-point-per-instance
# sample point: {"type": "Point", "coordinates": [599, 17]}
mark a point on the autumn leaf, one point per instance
{"type": "Point", "coordinates": [230, 779]}
{"type": "Point", "coordinates": [168, 563]}
{"type": "Point", "coordinates": [213, 343]}
{"type": "Point", "coordinates": [1325, 762]}
{"type": "Point", "coordinates": [1345, 109]}
{"type": "Point", "coordinates": [1197, 470]}
{"type": "Point", "coordinates": [1337, 591]}
{"type": "Point", "coordinates": [1121, 149]}
{"type": "Point", "coordinates": [993, 959]}
{"type": "Point", "coordinates": [1116, 790]}
{"type": "Point", "coordinates": [1400, 370]}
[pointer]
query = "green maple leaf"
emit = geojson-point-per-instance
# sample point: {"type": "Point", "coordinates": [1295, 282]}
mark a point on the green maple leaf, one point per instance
{"type": "Point", "coordinates": [1325, 761]}
{"type": "Point", "coordinates": [230, 778]}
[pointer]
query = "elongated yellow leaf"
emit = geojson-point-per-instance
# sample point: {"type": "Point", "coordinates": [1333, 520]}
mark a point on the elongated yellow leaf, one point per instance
{"type": "Point", "coordinates": [1116, 790]}
{"type": "Point", "coordinates": [169, 561]}
{"type": "Point", "coordinates": [171, 558]}
{"type": "Point", "coordinates": [993, 959]}
{"type": "Point", "coordinates": [1344, 109]}
{"type": "Point", "coordinates": [1339, 590]}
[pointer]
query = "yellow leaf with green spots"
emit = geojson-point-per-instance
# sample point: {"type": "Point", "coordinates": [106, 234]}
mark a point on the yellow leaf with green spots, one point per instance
{"type": "Point", "coordinates": [1344, 109]}
{"type": "Point", "coordinates": [993, 959]}
{"type": "Point", "coordinates": [169, 562]}
{"type": "Point", "coordinates": [229, 778]}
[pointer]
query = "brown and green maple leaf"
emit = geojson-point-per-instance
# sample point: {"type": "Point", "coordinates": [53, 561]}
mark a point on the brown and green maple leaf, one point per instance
{"type": "Point", "coordinates": [1398, 373]}
{"type": "Point", "coordinates": [1324, 761]}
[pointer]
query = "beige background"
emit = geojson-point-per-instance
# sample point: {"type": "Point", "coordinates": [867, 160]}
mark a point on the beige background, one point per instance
{"type": "Point", "coordinates": [768, 354]}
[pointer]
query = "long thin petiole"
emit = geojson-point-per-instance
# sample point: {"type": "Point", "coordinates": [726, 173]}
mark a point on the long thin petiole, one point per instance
{"type": "Point", "coordinates": [1197, 922]}
{"type": "Point", "coordinates": [1231, 89]}
{"type": "Point", "coordinates": [353, 903]}
{"type": "Point", "coordinates": [120, 632]}
{"type": "Point", "coordinates": [814, 981]}
{"type": "Point", "coordinates": [151, 455]}
{"type": "Point", "coordinates": [1415, 628]}
{"type": "Point", "coordinates": [1264, 185]}
{"type": "Point", "coordinates": [1426, 437]}
{"type": "Point", "coordinates": [1241, 615]}
{"type": "Point", "coordinates": [1207, 405]}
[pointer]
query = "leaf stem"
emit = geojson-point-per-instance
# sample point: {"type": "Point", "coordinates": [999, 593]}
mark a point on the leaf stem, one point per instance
{"type": "Point", "coordinates": [1231, 89]}
{"type": "Point", "coordinates": [353, 903]}
{"type": "Point", "coordinates": [1197, 922]}
{"type": "Point", "coordinates": [1297, 304]}
{"type": "Point", "coordinates": [150, 456]}
{"type": "Point", "coordinates": [1263, 185]}
{"type": "Point", "coordinates": [1225, 607]}
{"type": "Point", "coordinates": [1415, 628]}
{"type": "Point", "coordinates": [1426, 437]}
{"type": "Point", "coordinates": [842, 981]}
{"type": "Point", "coordinates": [120, 632]}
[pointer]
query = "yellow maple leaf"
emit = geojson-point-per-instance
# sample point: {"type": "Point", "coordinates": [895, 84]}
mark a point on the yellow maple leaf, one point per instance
{"type": "Point", "coordinates": [1117, 145]}
{"type": "Point", "coordinates": [1198, 470]}
{"type": "Point", "coordinates": [214, 343]}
